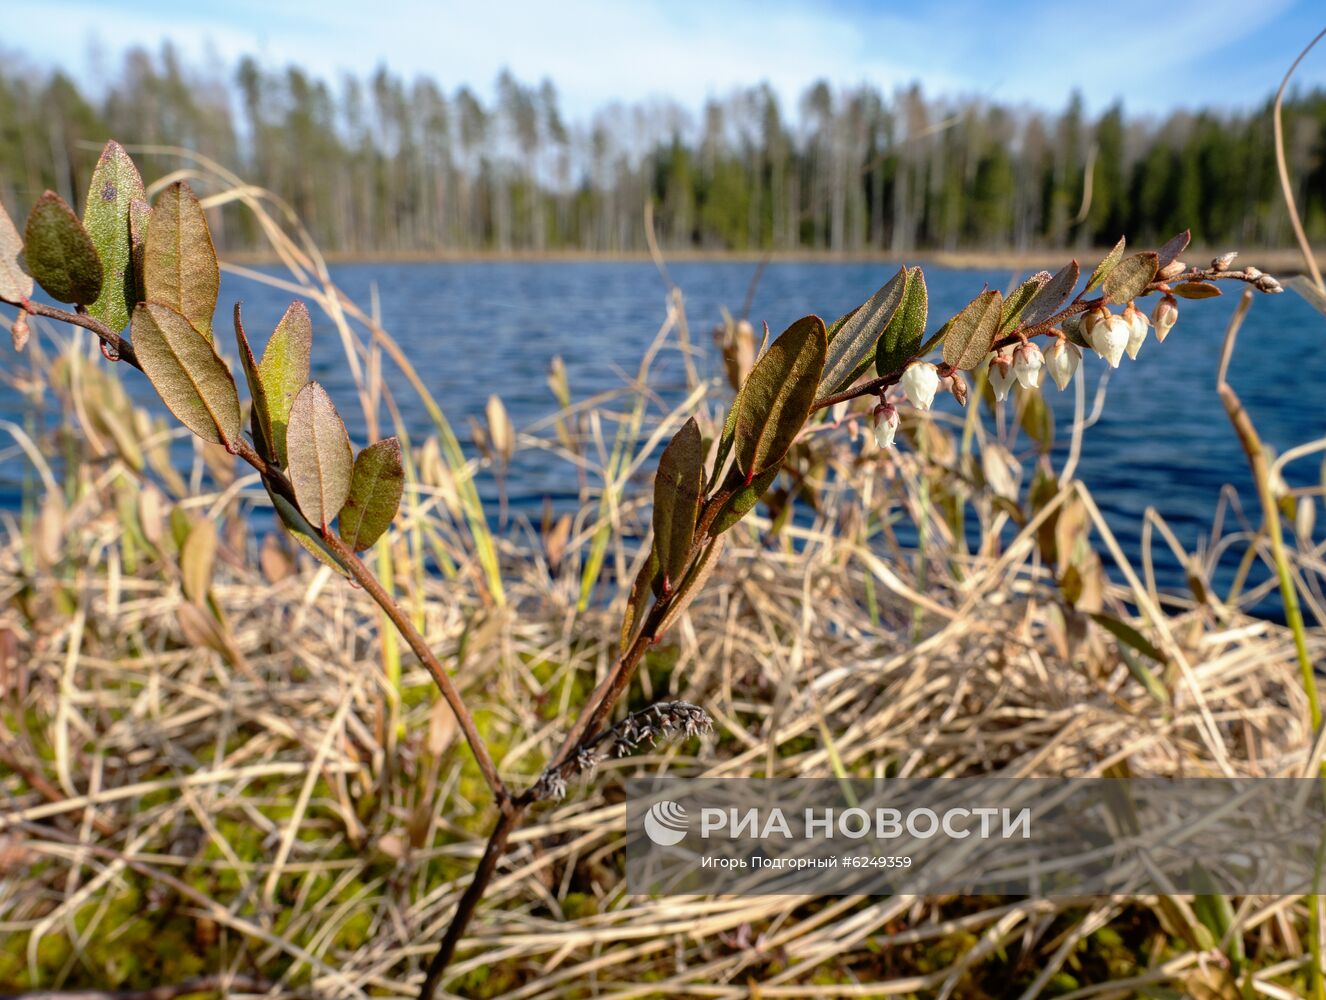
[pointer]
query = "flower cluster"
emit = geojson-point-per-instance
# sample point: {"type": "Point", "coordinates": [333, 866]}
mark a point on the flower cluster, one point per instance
{"type": "Point", "coordinates": [1111, 336]}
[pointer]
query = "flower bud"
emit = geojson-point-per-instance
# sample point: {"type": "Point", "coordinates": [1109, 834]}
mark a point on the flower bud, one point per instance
{"type": "Point", "coordinates": [1252, 273]}
{"type": "Point", "coordinates": [1089, 321]}
{"type": "Point", "coordinates": [1268, 284]}
{"type": "Point", "coordinates": [1171, 270]}
{"type": "Point", "coordinates": [1222, 262]}
{"type": "Point", "coordinates": [1110, 339]}
{"type": "Point", "coordinates": [886, 425]}
{"type": "Point", "coordinates": [1164, 316]}
{"type": "Point", "coordinates": [957, 385]}
{"type": "Point", "coordinates": [1137, 326]}
{"type": "Point", "coordinates": [1062, 360]}
{"type": "Point", "coordinates": [1027, 364]}
{"type": "Point", "coordinates": [919, 382]}
{"type": "Point", "coordinates": [1001, 375]}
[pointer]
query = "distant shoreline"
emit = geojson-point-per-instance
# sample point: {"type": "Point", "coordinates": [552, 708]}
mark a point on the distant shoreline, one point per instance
{"type": "Point", "coordinates": [1282, 261]}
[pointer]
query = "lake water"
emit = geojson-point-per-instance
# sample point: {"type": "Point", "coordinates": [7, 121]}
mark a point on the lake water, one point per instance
{"type": "Point", "coordinates": [471, 328]}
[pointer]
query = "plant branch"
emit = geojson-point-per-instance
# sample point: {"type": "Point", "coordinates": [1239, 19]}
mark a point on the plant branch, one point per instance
{"type": "Point", "coordinates": [363, 576]}
{"type": "Point", "coordinates": [120, 347]}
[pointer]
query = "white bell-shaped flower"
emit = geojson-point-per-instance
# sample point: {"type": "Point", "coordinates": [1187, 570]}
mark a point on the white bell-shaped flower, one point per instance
{"type": "Point", "coordinates": [1062, 360]}
{"type": "Point", "coordinates": [1110, 339]}
{"type": "Point", "coordinates": [1137, 327]}
{"type": "Point", "coordinates": [1164, 316]}
{"type": "Point", "coordinates": [919, 383]}
{"type": "Point", "coordinates": [1001, 375]}
{"type": "Point", "coordinates": [1027, 364]}
{"type": "Point", "coordinates": [886, 424]}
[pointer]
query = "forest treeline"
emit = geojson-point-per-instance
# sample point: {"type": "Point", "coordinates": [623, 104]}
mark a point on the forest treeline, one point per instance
{"type": "Point", "coordinates": [386, 164]}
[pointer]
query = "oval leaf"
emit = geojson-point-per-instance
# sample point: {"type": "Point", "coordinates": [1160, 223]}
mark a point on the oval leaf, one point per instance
{"type": "Point", "coordinates": [115, 186]}
{"type": "Point", "coordinates": [901, 340]}
{"type": "Point", "coordinates": [321, 461]}
{"type": "Point", "coordinates": [743, 501]}
{"type": "Point", "coordinates": [677, 489]}
{"type": "Point", "coordinates": [187, 373]}
{"type": "Point", "coordinates": [852, 346]}
{"type": "Point", "coordinates": [59, 252]}
{"type": "Point", "coordinates": [1053, 294]}
{"type": "Point", "coordinates": [376, 485]}
{"type": "Point", "coordinates": [140, 214]}
{"type": "Point", "coordinates": [778, 395]}
{"type": "Point", "coordinates": [298, 528]}
{"type": "Point", "coordinates": [1021, 297]}
{"type": "Point", "coordinates": [260, 418]}
{"type": "Point", "coordinates": [179, 263]}
{"type": "Point", "coordinates": [1104, 268]}
{"type": "Point", "coordinates": [1172, 248]}
{"type": "Point", "coordinates": [15, 282]}
{"type": "Point", "coordinates": [1195, 290]}
{"type": "Point", "coordinates": [1129, 279]}
{"type": "Point", "coordinates": [284, 370]}
{"type": "Point", "coordinates": [638, 600]}
{"type": "Point", "coordinates": [972, 331]}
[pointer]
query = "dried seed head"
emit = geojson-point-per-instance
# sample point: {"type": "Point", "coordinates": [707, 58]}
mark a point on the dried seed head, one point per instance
{"type": "Point", "coordinates": [886, 424]}
{"type": "Point", "coordinates": [1062, 360]}
{"type": "Point", "coordinates": [1137, 326]}
{"type": "Point", "coordinates": [1164, 316]}
{"type": "Point", "coordinates": [1001, 375]}
{"type": "Point", "coordinates": [1027, 364]}
{"type": "Point", "coordinates": [1222, 262]}
{"type": "Point", "coordinates": [919, 383]}
{"type": "Point", "coordinates": [1110, 339]}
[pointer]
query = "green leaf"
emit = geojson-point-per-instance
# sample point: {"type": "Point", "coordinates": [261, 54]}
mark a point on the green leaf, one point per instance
{"type": "Point", "coordinates": [852, 344]}
{"type": "Point", "coordinates": [778, 395]}
{"type": "Point", "coordinates": [972, 331]}
{"type": "Point", "coordinates": [1052, 295]}
{"type": "Point", "coordinates": [60, 253]}
{"type": "Point", "coordinates": [260, 418]}
{"type": "Point", "coordinates": [179, 266]}
{"type": "Point", "coordinates": [743, 501]}
{"type": "Point", "coordinates": [901, 340]}
{"type": "Point", "coordinates": [284, 370]}
{"type": "Point", "coordinates": [690, 588]}
{"type": "Point", "coordinates": [677, 488]}
{"type": "Point", "coordinates": [15, 282]}
{"type": "Point", "coordinates": [1104, 268]}
{"type": "Point", "coordinates": [321, 461]}
{"type": "Point", "coordinates": [1174, 246]}
{"type": "Point", "coordinates": [376, 485]}
{"type": "Point", "coordinates": [641, 591]}
{"type": "Point", "coordinates": [298, 528]}
{"type": "Point", "coordinates": [1195, 290]}
{"type": "Point", "coordinates": [115, 185]}
{"type": "Point", "coordinates": [187, 373]}
{"type": "Point", "coordinates": [1129, 636]}
{"type": "Point", "coordinates": [1022, 296]}
{"type": "Point", "coordinates": [1130, 277]}
{"type": "Point", "coordinates": [140, 214]}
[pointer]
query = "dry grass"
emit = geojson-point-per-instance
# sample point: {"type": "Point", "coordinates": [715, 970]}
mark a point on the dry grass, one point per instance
{"type": "Point", "coordinates": [238, 782]}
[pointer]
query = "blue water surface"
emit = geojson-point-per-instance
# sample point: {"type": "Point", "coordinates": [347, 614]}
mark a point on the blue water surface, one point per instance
{"type": "Point", "coordinates": [474, 328]}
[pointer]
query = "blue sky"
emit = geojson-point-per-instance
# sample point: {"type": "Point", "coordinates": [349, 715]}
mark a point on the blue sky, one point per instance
{"type": "Point", "coordinates": [1152, 55]}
